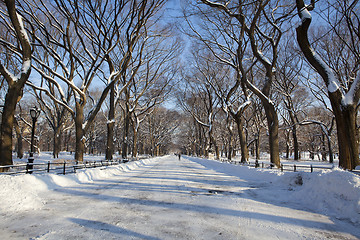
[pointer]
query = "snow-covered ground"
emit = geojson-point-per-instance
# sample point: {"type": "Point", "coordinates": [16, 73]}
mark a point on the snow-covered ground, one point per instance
{"type": "Point", "coordinates": [163, 198]}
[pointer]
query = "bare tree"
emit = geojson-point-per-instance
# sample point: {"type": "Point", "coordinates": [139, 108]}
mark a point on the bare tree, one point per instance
{"type": "Point", "coordinates": [200, 100]}
{"type": "Point", "coordinates": [226, 41]}
{"type": "Point", "coordinates": [255, 126]}
{"type": "Point", "coordinates": [261, 22]}
{"type": "Point", "coordinates": [56, 114]}
{"type": "Point", "coordinates": [343, 88]}
{"type": "Point", "coordinates": [159, 129]}
{"type": "Point", "coordinates": [86, 34]}
{"type": "Point", "coordinates": [153, 68]}
{"type": "Point", "coordinates": [16, 80]}
{"type": "Point", "coordinates": [20, 126]}
{"type": "Point", "coordinates": [293, 95]}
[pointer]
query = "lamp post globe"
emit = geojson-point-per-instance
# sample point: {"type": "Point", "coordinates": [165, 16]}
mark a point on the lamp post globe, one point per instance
{"type": "Point", "coordinates": [34, 113]}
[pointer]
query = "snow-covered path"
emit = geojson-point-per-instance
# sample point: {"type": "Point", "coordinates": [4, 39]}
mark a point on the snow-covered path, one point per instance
{"type": "Point", "coordinates": [169, 199]}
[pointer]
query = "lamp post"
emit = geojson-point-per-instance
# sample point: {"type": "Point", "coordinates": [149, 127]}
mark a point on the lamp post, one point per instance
{"type": "Point", "coordinates": [34, 113]}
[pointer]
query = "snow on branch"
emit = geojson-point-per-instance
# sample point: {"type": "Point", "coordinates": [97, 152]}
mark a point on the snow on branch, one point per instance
{"type": "Point", "coordinates": [258, 93]}
{"type": "Point", "coordinates": [316, 61]}
{"type": "Point", "coordinates": [352, 96]}
{"type": "Point", "coordinates": [22, 29]}
{"type": "Point", "coordinates": [243, 106]}
{"type": "Point", "coordinates": [304, 14]}
{"type": "Point", "coordinates": [51, 96]}
{"type": "Point", "coordinates": [332, 84]}
{"type": "Point", "coordinates": [324, 128]}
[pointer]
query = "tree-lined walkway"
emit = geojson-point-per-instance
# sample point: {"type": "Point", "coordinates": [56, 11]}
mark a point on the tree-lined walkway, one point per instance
{"type": "Point", "coordinates": [166, 199]}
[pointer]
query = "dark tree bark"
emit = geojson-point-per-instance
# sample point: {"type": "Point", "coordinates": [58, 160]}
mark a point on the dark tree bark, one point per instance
{"type": "Point", "coordinates": [79, 132]}
{"type": "Point", "coordinates": [296, 143]}
{"type": "Point", "coordinates": [57, 142]}
{"type": "Point", "coordinates": [125, 143]}
{"type": "Point", "coordinates": [15, 86]}
{"type": "Point", "coordinates": [19, 139]}
{"type": "Point", "coordinates": [242, 137]}
{"type": "Point", "coordinates": [273, 128]}
{"type": "Point", "coordinates": [110, 126]}
{"type": "Point", "coordinates": [135, 144]}
{"type": "Point", "coordinates": [229, 149]}
{"type": "Point", "coordinates": [294, 134]}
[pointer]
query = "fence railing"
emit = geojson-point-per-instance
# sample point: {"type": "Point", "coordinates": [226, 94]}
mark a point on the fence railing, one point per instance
{"type": "Point", "coordinates": [285, 167]}
{"type": "Point", "coordinates": [59, 167]}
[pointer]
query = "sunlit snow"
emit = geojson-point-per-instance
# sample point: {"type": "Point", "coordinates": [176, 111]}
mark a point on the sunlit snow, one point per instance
{"type": "Point", "coordinates": [164, 198]}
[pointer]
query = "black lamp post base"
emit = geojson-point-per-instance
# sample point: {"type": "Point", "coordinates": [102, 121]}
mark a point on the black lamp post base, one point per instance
{"type": "Point", "coordinates": [29, 165]}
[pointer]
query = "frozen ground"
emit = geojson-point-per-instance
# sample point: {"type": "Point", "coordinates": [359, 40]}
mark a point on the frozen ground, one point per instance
{"type": "Point", "coordinates": [164, 198]}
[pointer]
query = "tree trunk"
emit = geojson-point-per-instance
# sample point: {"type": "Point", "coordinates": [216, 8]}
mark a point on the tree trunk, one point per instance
{"type": "Point", "coordinates": [217, 152]}
{"type": "Point", "coordinates": [124, 151]}
{"type": "Point", "coordinates": [294, 134]}
{"type": "Point", "coordinates": [331, 157]}
{"type": "Point", "coordinates": [157, 150]}
{"type": "Point", "coordinates": [253, 150]}
{"type": "Point", "coordinates": [79, 133]}
{"type": "Point", "coordinates": [271, 116]}
{"type": "Point", "coordinates": [242, 137]}
{"type": "Point", "coordinates": [7, 124]}
{"type": "Point", "coordinates": [228, 150]}
{"type": "Point", "coordinates": [68, 138]}
{"type": "Point", "coordinates": [287, 148]}
{"type": "Point", "coordinates": [257, 146]}
{"type": "Point", "coordinates": [19, 138]}
{"type": "Point", "coordinates": [134, 152]}
{"type": "Point", "coordinates": [20, 149]}
{"type": "Point", "coordinates": [199, 150]}
{"type": "Point", "coordinates": [347, 137]}
{"type": "Point", "coordinates": [296, 143]}
{"type": "Point", "coordinates": [208, 146]}
{"type": "Point", "coordinates": [323, 148]}
{"type": "Point", "coordinates": [110, 141]}
{"type": "Point", "coordinates": [110, 126]}
{"type": "Point", "coordinates": [273, 128]}
{"type": "Point", "coordinates": [15, 88]}
{"type": "Point", "coordinates": [57, 142]}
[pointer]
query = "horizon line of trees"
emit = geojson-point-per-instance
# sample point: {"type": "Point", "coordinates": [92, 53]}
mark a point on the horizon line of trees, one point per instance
{"type": "Point", "coordinates": [155, 134]}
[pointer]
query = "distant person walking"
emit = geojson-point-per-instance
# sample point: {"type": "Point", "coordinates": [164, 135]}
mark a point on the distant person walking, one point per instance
{"type": "Point", "coordinates": [179, 155]}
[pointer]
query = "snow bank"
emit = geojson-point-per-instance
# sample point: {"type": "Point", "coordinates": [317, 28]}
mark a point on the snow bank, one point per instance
{"type": "Point", "coordinates": [23, 192]}
{"type": "Point", "coordinates": [89, 175]}
{"type": "Point", "coordinates": [335, 193]}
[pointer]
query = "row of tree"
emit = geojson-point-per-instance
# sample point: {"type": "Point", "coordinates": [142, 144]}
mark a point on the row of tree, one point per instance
{"type": "Point", "coordinates": [164, 131]}
{"type": "Point", "coordinates": [253, 66]}
{"type": "Point", "coordinates": [266, 49]}
{"type": "Point", "coordinates": [88, 56]}
{"type": "Point", "coordinates": [153, 137]}
{"type": "Point", "coordinates": [221, 137]}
